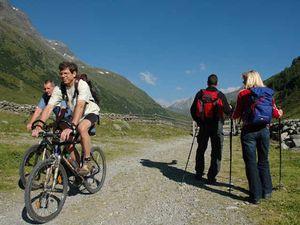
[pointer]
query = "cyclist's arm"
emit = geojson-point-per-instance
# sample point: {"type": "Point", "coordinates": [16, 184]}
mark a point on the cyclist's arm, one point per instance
{"type": "Point", "coordinates": [82, 99]}
{"type": "Point", "coordinates": [47, 112]}
{"type": "Point", "coordinates": [45, 115]}
{"type": "Point", "coordinates": [37, 112]}
{"type": "Point", "coordinates": [34, 117]}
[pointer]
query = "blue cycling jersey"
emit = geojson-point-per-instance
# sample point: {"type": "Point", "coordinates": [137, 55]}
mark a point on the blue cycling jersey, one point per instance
{"type": "Point", "coordinates": [44, 101]}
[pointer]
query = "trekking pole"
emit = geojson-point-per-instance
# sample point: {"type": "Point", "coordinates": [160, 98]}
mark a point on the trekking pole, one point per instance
{"type": "Point", "coordinates": [196, 131]}
{"type": "Point", "coordinates": [230, 154]}
{"type": "Point", "coordinates": [280, 185]}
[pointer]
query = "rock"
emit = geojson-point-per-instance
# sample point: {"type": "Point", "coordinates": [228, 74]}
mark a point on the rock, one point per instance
{"type": "Point", "coordinates": [126, 125]}
{"type": "Point", "coordinates": [296, 139]}
{"type": "Point", "coordinates": [117, 127]}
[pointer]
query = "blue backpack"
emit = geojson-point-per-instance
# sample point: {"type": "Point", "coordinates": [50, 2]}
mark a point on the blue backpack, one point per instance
{"type": "Point", "coordinates": [260, 106]}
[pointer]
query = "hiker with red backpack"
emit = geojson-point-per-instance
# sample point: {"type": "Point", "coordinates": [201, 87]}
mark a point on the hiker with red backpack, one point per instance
{"type": "Point", "coordinates": [256, 107]}
{"type": "Point", "coordinates": [208, 110]}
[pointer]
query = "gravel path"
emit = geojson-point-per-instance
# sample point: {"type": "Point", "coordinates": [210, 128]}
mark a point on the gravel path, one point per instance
{"type": "Point", "coordinates": [145, 188]}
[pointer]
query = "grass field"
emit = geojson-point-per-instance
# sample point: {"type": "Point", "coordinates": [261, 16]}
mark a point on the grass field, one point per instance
{"type": "Point", "coordinates": [284, 206]}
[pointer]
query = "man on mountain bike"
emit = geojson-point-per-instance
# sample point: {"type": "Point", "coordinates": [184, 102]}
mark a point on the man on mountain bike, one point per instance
{"type": "Point", "coordinates": [85, 111]}
{"type": "Point", "coordinates": [60, 111]}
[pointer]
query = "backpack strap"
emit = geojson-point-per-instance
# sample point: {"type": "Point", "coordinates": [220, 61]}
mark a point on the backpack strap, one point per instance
{"type": "Point", "coordinates": [76, 92]}
{"type": "Point", "coordinates": [64, 91]}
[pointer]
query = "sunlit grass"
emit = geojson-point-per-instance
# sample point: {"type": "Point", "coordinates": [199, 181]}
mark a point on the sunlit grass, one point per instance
{"type": "Point", "coordinates": [284, 206]}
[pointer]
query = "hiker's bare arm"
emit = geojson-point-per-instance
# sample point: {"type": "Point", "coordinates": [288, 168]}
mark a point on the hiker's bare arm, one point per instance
{"type": "Point", "coordinates": [45, 115]}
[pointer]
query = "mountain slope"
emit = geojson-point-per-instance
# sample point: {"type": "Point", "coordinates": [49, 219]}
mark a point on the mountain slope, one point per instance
{"type": "Point", "coordinates": [182, 106]}
{"type": "Point", "coordinates": [287, 89]}
{"type": "Point", "coordinates": [27, 59]}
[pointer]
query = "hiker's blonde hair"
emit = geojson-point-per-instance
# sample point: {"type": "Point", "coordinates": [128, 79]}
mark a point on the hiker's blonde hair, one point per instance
{"type": "Point", "coordinates": [252, 79]}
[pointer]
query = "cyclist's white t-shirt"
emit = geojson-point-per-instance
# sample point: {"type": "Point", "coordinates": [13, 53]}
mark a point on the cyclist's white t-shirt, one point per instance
{"type": "Point", "coordinates": [84, 94]}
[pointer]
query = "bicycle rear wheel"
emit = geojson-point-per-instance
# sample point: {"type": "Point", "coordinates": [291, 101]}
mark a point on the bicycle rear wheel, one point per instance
{"type": "Point", "coordinates": [30, 158]}
{"type": "Point", "coordinates": [45, 195]}
{"type": "Point", "coordinates": [95, 180]}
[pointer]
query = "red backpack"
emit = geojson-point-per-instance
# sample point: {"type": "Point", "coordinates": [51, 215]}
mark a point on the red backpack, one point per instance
{"type": "Point", "coordinates": [209, 105]}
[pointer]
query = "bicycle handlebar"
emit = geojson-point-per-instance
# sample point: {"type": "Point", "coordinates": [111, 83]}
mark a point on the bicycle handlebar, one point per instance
{"type": "Point", "coordinates": [47, 134]}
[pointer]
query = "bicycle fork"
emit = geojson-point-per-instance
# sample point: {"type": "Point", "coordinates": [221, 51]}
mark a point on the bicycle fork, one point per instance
{"type": "Point", "coordinates": [44, 198]}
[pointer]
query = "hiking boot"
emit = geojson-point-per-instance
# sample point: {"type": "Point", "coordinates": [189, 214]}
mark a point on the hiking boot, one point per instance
{"type": "Point", "coordinates": [267, 196]}
{"type": "Point", "coordinates": [211, 181]}
{"type": "Point", "coordinates": [198, 177]}
{"type": "Point", "coordinates": [254, 201]}
{"type": "Point", "coordinates": [86, 167]}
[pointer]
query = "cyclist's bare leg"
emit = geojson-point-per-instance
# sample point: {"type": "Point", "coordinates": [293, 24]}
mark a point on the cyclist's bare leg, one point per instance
{"type": "Point", "coordinates": [83, 129]}
{"type": "Point", "coordinates": [74, 153]}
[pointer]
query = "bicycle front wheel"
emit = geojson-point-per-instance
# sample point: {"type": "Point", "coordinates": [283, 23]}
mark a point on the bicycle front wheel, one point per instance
{"type": "Point", "coordinates": [30, 158]}
{"type": "Point", "coordinates": [46, 191]}
{"type": "Point", "coordinates": [95, 180]}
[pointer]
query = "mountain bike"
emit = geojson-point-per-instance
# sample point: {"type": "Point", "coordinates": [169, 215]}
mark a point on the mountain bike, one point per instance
{"type": "Point", "coordinates": [35, 153]}
{"type": "Point", "coordinates": [47, 185]}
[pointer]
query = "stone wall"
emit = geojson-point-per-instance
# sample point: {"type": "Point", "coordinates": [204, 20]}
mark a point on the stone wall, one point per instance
{"type": "Point", "coordinates": [28, 109]}
{"type": "Point", "coordinates": [289, 131]}
{"type": "Point", "coordinates": [16, 108]}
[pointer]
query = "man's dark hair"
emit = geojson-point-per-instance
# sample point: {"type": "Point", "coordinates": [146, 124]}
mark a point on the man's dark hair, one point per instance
{"type": "Point", "coordinates": [71, 66]}
{"type": "Point", "coordinates": [49, 81]}
{"type": "Point", "coordinates": [212, 80]}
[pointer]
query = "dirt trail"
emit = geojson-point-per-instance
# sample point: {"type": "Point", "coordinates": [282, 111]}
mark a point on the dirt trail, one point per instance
{"type": "Point", "coordinates": [145, 189]}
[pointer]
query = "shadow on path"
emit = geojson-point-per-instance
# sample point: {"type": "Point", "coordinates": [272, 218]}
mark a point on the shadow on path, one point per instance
{"type": "Point", "coordinates": [175, 174]}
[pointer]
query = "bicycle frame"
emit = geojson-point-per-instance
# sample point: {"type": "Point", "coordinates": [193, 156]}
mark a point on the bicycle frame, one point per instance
{"type": "Point", "coordinates": [47, 186]}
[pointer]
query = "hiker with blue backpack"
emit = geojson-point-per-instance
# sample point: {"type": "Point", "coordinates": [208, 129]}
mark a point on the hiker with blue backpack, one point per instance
{"type": "Point", "coordinates": [255, 106]}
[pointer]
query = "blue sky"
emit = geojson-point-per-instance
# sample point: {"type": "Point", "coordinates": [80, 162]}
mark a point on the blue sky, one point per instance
{"type": "Point", "coordinates": [169, 47]}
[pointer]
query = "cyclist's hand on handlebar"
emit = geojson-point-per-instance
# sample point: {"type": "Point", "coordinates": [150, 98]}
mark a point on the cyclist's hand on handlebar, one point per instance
{"type": "Point", "coordinates": [35, 132]}
{"type": "Point", "coordinates": [28, 126]}
{"type": "Point", "coordinates": [65, 135]}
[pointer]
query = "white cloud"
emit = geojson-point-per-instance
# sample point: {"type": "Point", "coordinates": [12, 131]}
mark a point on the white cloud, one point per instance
{"type": "Point", "coordinates": [229, 89]}
{"type": "Point", "coordinates": [179, 88]}
{"type": "Point", "coordinates": [148, 77]}
{"type": "Point", "coordinates": [200, 67]}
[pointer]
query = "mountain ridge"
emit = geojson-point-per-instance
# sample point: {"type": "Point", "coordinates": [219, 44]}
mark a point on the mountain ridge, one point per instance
{"type": "Point", "coordinates": [27, 59]}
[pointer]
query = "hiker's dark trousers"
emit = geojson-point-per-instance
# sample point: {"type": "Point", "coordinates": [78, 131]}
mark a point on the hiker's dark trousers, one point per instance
{"type": "Point", "coordinates": [257, 168]}
{"type": "Point", "coordinates": [214, 132]}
